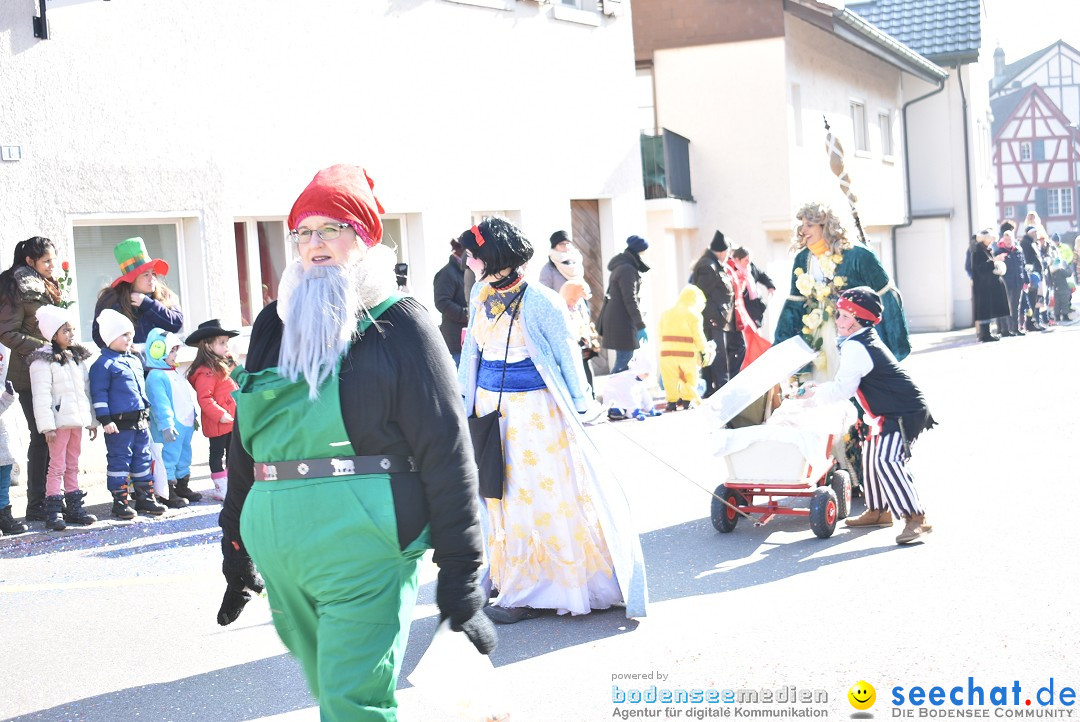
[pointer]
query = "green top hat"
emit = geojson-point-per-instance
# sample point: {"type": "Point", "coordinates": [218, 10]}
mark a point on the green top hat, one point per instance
{"type": "Point", "coordinates": [133, 258]}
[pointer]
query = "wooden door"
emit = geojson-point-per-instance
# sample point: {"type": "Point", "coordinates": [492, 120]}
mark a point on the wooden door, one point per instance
{"type": "Point", "coordinates": [585, 232]}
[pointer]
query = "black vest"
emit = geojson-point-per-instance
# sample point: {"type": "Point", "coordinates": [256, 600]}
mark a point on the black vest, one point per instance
{"type": "Point", "coordinates": [887, 394]}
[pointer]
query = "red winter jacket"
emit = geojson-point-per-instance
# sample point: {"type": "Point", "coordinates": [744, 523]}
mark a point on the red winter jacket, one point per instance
{"type": "Point", "coordinates": [215, 399]}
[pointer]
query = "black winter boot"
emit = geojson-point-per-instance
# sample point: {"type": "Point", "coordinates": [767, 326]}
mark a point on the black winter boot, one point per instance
{"type": "Point", "coordinates": [175, 501]}
{"type": "Point", "coordinates": [75, 513]}
{"type": "Point", "coordinates": [54, 510]}
{"type": "Point", "coordinates": [145, 503]}
{"type": "Point", "coordinates": [120, 507]}
{"type": "Point", "coordinates": [35, 510]}
{"type": "Point", "coordinates": [183, 490]}
{"type": "Point", "coordinates": [8, 525]}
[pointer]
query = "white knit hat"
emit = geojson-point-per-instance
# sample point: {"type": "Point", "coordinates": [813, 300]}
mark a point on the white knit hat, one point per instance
{"type": "Point", "coordinates": [50, 319]}
{"type": "Point", "coordinates": [112, 325]}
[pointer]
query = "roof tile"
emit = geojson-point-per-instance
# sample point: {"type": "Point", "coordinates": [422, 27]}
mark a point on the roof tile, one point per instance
{"type": "Point", "coordinates": [929, 27]}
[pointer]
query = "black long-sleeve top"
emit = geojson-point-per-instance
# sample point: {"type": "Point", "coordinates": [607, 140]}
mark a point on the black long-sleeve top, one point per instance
{"type": "Point", "coordinates": [399, 395]}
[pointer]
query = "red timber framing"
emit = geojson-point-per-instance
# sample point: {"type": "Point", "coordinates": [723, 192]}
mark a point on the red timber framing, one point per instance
{"type": "Point", "coordinates": [1036, 151]}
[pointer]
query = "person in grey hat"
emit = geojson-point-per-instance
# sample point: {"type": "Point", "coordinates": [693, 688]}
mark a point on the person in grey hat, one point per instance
{"type": "Point", "coordinates": [564, 262]}
{"type": "Point", "coordinates": [621, 327]}
{"type": "Point", "coordinates": [711, 275]}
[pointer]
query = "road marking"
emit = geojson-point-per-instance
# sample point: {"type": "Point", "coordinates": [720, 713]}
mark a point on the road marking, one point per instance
{"type": "Point", "coordinates": [100, 583]}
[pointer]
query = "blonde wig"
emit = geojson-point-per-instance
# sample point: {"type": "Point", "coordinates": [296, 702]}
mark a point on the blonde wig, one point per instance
{"type": "Point", "coordinates": [821, 214]}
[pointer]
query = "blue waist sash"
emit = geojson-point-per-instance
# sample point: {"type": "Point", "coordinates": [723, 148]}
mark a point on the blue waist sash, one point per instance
{"type": "Point", "coordinates": [520, 376]}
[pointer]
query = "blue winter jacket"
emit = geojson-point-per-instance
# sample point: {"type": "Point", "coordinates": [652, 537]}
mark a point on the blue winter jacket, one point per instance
{"type": "Point", "coordinates": [159, 388]}
{"type": "Point", "coordinates": [116, 385]}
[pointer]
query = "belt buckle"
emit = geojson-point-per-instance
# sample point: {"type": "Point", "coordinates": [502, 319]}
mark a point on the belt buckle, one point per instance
{"type": "Point", "coordinates": [269, 472]}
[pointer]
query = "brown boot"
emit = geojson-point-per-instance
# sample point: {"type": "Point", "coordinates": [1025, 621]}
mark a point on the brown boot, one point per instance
{"type": "Point", "coordinates": [915, 527]}
{"type": "Point", "coordinates": [871, 517]}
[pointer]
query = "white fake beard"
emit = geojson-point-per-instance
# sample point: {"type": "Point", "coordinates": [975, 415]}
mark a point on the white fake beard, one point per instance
{"type": "Point", "coordinates": [320, 309]}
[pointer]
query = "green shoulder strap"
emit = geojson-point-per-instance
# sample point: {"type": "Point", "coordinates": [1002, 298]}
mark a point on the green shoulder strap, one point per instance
{"type": "Point", "coordinates": [368, 318]}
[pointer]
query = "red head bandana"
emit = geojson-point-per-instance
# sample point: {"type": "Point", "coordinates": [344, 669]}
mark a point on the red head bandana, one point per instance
{"type": "Point", "coordinates": [346, 193]}
{"type": "Point", "coordinates": [478, 236]}
{"type": "Point", "coordinates": [846, 304]}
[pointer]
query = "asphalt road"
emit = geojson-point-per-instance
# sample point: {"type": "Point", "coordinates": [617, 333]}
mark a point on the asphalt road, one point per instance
{"type": "Point", "coordinates": [117, 621]}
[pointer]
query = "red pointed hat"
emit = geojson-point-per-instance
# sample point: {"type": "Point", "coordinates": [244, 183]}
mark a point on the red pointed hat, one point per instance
{"type": "Point", "coordinates": [344, 192]}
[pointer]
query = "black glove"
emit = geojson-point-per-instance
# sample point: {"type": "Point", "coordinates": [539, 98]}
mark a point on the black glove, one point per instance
{"type": "Point", "coordinates": [460, 600]}
{"type": "Point", "coordinates": [243, 581]}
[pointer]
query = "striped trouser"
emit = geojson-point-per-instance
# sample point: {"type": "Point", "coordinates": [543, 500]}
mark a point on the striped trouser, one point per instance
{"type": "Point", "coordinates": [886, 479]}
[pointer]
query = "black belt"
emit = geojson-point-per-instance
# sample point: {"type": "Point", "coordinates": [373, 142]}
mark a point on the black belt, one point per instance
{"type": "Point", "coordinates": [334, 466]}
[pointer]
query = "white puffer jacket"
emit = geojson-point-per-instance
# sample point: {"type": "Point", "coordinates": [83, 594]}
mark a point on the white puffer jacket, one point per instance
{"type": "Point", "coordinates": [61, 391]}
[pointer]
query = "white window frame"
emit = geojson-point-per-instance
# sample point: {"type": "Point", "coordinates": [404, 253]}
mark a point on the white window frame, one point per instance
{"type": "Point", "coordinates": [1025, 151]}
{"type": "Point", "coordinates": [859, 128]}
{"type": "Point", "coordinates": [400, 244]}
{"type": "Point", "coordinates": [885, 127]}
{"type": "Point", "coordinates": [575, 14]}
{"type": "Point", "coordinates": [1059, 202]}
{"type": "Point", "coordinates": [179, 285]}
{"type": "Point", "coordinates": [1010, 210]}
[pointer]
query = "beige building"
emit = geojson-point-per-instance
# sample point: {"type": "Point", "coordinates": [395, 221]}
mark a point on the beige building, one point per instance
{"type": "Point", "coordinates": [750, 86]}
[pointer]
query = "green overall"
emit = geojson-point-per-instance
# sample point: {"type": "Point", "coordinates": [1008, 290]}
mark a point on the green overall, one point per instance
{"type": "Point", "coordinates": [340, 588]}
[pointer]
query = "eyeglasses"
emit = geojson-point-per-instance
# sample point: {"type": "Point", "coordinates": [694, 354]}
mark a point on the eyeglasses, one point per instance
{"type": "Point", "coordinates": [326, 233]}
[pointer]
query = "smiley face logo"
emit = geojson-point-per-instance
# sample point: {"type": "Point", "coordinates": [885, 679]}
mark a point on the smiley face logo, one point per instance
{"type": "Point", "coordinates": [861, 695]}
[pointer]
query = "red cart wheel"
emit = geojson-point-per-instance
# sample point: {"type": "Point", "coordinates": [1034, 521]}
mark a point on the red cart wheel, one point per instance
{"type": "Point", "coordinates": [823, 512]}
{"type": "Point", "coordinates": [840, 481]}
{"type": "Point", "coordinates": [724, 518]}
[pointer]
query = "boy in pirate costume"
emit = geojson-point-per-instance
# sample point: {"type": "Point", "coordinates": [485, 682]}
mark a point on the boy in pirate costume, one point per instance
{"type": "Point", "coordinates": [894, 411]}
{"type": "Point", "coordinates": [349, 459]}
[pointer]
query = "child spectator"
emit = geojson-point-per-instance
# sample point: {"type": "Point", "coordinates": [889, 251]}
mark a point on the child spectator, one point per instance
{"type": "Point", "coordinates": [8, 525]}
{"type": "Point", "coordinates": [172, 412]}
{"type": "Point", "coordinates": [118, 392]}
{"type": "Point", "coordinates": [627, 392]}
{"type": "Point", "coordinates": [683, 349]}
{"type": "Point", "coordinates": [60, 384]}
{"type": "Point", "coordinates": [209, 375]}
{"type": "Point", "coordinates": [893, 408]}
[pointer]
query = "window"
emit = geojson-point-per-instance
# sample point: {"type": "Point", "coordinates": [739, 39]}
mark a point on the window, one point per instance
{"type": "Point", "coordinates": [858, 124]}
{"type": "Point", "coordinates": [261, 254]}
{"type": "Point", "coordinates": [97, 267]}
{"type": "Point", "coordinates": [1010, 211]}
{"type": "Point", "coordinates": [646, 102]}
{"type": "Point", "coordinates": [885, 126]}
{"type": "Point", "coordinates": [1059, 202]}
{"type": "Point", "coordinates": [1025, 151]}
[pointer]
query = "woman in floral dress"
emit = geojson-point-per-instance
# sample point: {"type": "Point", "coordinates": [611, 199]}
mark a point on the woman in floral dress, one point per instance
{"type": "Point", "coordinates": [561, 537]}
{"type": "Point", "coordinates": [826, 263]}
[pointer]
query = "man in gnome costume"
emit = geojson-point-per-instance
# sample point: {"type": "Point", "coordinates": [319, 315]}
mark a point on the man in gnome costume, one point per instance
{"type": "Point", "coordinates": [349, 458]}
{"type": "Point", "coordinates": [894, 411]}
{"type": "Point", "coordinates": [118, 394]}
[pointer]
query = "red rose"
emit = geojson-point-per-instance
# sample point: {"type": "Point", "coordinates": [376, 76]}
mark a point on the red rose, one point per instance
{"type": "Point", "coordinates": [65, 265]}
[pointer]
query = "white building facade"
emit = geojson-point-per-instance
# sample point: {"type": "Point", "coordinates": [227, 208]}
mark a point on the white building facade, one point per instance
{"type": "Point", "coordinates": [196, 124]}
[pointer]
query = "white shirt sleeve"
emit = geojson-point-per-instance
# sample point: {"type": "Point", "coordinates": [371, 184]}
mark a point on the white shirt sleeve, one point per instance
{"type": "Point", "coordinates": [855, 363]}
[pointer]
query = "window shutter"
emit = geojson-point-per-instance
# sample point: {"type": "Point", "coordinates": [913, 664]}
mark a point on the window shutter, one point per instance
{"type": "Point", "coordinates": [1038, 150]}
{"type": "Point", "coordinates": [1040, 202]}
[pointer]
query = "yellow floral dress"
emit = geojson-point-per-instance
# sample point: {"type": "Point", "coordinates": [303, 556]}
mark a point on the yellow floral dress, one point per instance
{"type": "Point", "coordinates": [545, 544]}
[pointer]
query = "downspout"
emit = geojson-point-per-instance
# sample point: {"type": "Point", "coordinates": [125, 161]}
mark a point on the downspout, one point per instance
{"type": "Point", "coordinates": [907, 173]}
{"type": "Point", "coordinates": [967, 150]}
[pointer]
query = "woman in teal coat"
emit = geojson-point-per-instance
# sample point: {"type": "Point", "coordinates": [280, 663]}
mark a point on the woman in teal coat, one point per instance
{"type": "Point", "coordinates": [829, 260]}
